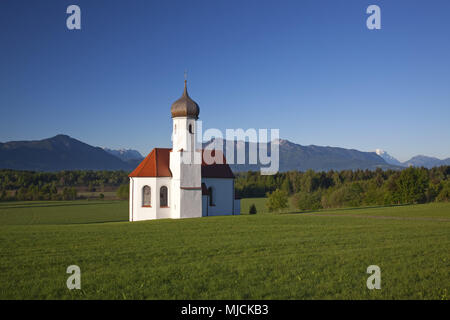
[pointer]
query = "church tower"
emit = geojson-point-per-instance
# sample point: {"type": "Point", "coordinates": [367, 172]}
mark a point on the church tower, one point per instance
{"type": "Point", "coordinates": [185, 159]}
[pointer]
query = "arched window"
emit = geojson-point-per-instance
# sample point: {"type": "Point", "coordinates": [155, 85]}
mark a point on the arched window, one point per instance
{"type": "Point", "coordinates": [191, 128]}
{"type": "Point", "coordinates": [146, 196]}
{"type": "Point", "coordinates": [163, 197]}
{"type": "Point", "coordinates": [211, 196]}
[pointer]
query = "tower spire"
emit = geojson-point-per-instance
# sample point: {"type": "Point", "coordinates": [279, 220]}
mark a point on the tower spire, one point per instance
{"type": "Point", "coordinates": [185, 82]}
{"type": "Point", "coordinates": [185, 106]}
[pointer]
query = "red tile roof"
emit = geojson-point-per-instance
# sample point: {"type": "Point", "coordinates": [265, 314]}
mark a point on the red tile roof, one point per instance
{"type": "Point", "coordinates": [157, 163]}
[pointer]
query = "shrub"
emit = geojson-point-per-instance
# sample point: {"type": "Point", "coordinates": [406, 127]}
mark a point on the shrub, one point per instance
{"type": "Point", "coordinates": [349, 195]}
{"type": "Point", "coordinates": [308, 201]}
{"type": "Point", "coordinates": [374, 195]}
{"type": "Point", "coordinates": [412, 185]}
{"type": "Point", "coordinates": [444, 195]}
{"type": "Point", "coordinates": [252, 209]}
{"type": "Point", "coordinates": [277, 200]}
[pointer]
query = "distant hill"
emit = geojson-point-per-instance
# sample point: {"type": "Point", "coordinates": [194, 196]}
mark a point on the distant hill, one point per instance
{"type": "Point", "coordinates": [297, 157]}
{"type": "Point", "coordinates": [58, 153]}
{"type": "Point", "coordinates": [65, 153]}
{"type": "Point", "coordinates": [125, 154]}
{"type": "Point", "coordinates": [417, 161]}
{"type": "Point", "coordinates": [427, 162]}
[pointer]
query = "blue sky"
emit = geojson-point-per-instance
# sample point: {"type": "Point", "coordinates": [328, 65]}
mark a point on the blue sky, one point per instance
{"type": "Point", "coordinates": [310, 68]}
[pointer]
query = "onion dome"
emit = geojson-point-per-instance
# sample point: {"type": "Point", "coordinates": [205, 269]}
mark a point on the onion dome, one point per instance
{"type": "Point", "coordinates": [185, 106]}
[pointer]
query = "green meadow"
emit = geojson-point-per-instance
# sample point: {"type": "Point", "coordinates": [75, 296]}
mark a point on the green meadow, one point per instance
{"type": "Point", "coordinates": [312, 255]}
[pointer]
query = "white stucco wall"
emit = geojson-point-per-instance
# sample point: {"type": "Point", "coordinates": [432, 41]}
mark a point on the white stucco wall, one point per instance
{"type": "Point", "coordinates": [204, 205]}
{"type": "Point", "coordinates": [191, 201]}
{"type": "Point", "coordinates": [181, 137]}
{"type": "Point", "coordinates": [186, 176]}
{"type": "Point", "coordinates": [223, 196]}
{"type": "Point", "coordinates": [237, 206]}
{"type": "Point", "coordinates": [186, 186]}
{"type": "Point", "coordinates": [137, 211]}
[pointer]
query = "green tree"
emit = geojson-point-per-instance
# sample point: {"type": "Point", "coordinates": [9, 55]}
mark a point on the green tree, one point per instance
{"type": "Point", "coordinates": [286, 186]}
{"type": "Point", "coordinates": [349, 195]}
{"type": "Point", "coordinates": [308, 201]}
{"type": "Point", "coordinates": [412, 185]}
{"type": "Point", "coordinates": [444, 195]}
{"type": "Point", "coordinates": [309, 181]}
{"type": "Point", "coordinates": [69, 193]}
{"type": "Point", "coordinates": [374, 194]}
{"type": "Point", "coordinates": [277, 200]}
{"type": "Point", "coordinates": [337, 181]}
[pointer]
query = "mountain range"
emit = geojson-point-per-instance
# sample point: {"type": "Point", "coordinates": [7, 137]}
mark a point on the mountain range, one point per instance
{"type": "Point", "coordinates": [62, 152]}
{"type": "Point", "coordinates": [417, 161]}
{"type": "Point", "coordinates": [125, 154]}
{"type": "Point", "coordinates": [58, 153]}
{"type": "Point", "coordinates": [427, 162]}
{"type": "Point", "coordinates": [297, 157]}
{"type": "Point", "coordinates": [388, 158]}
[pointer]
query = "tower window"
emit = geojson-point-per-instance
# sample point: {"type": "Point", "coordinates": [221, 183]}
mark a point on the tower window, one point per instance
{"type": "Point", "coordinates": [163, 197]}
{"type": "Point", "coordinates": [191, 128]}
{"type": "Point", "coordinates": [146, 196]}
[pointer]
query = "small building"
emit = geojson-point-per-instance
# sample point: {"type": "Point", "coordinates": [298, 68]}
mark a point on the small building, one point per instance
{"type": "Point", "coordinates": [177, 183]}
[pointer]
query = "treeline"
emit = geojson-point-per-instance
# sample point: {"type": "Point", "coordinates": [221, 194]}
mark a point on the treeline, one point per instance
{"type": "Point", "coordinates": [30, 185]}
{"type": "Point", "coordinates": [308, 190]}
{"type": "Point", "coordinates": [315, 190]}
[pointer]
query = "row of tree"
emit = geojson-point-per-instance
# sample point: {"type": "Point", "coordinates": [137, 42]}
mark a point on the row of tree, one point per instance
{"type": "Point", "coordinates": [47, 192]}
{"type": "Point", "coordinates": [63, 185]}
{"type": "Point", "coordinates": [314, 190]}
{"type": "Point", "coordinates": [309, 190]}
{"type": "Point", "coordinates": [15, 179]}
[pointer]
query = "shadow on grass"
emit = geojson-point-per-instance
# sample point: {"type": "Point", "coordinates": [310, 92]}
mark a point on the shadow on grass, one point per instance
{"type": "Point", "coordinates": [31, 205]}
{"type": "Point", "coordinates": [89, 222]}
{"type": "Point", "coordinates": [346, 209]}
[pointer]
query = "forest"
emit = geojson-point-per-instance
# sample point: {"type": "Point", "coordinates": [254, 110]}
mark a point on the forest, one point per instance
{"type": "Point", "coordinates": [62, 185]}
{"type": "Point", "coordinates": [316, 190]}
{"type": "Point", "coordinates": [308, 190]}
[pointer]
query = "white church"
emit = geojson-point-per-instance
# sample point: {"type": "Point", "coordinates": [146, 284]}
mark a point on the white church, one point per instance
{"type": "Point", "coordinates": [164, 185]}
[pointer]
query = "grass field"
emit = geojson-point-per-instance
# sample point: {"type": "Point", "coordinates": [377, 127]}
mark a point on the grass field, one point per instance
{"type": "Point", "coordinates": [260, 204]}
{"type": "Point", "coordinates": [322, 255]}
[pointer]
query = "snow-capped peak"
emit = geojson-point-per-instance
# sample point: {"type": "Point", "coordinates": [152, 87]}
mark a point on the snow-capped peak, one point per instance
{"type": "Point", "coordinates": [387, 157]}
